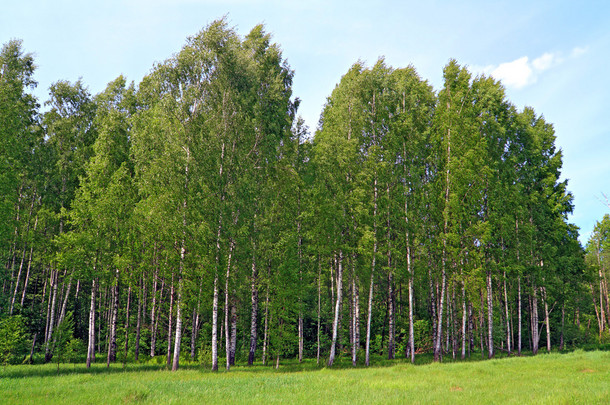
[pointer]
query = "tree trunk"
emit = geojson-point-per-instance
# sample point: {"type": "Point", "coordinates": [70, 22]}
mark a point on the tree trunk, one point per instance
{"type": "Point", "coordinates": [519, 320]}
{"type": "Point", "coordinates": [215, 325]}
{"type": "Point", "coordinates": [27, 273]}
{"type": "Point", "coordinates": [153, 319]}
{"type": "Point", "coordinates": [438, 350]}
{"type": "Point", "coordinates": [391, 334]}
{"type": "Point", "coordinates": [372, 284]}
{"type": "Point", "coordinates": [333, 345]}
{"type": "Point", "coordinates": [355, 314]}
{"type": "Point", "coordinates": [169, 324]}
{"type": "Point", "coordinates": [127, 324]}
{"type": "Point", "coordinates": [464, 320]}
{"type": "Point", "coordinates": [490, 318]}
{"type": "Point", "coordinates": [48, 350]}
{"type": "Point", "coordinates": [546, 319]}
{"type": "Point", "coordinates": [91, 344]}
{"type": "Point", "coordinates": [178, 338]}
{"type": "Point", "coordinates": [141, 295]}
{"type": "Point", "coordinates": [233, 345]}
{"type": "Point", "coordinates": [266, 328]}
{"type": "Point", "coordinates": [534, 321]}
{"type": "Point", "coordinates": [508, 329]}
{"type": "Point", "coordinates": [319, 307]}
{"type": "Point", "coordinates": [254, 313]}
{"type": "Point", "coordinates": [563, 318]}
{"type": "Point", "coordinates": [195, 329]}
{"type": "Point", "coordinates": [226, 324]}
{"type": "Point", "coordinates": [215, 299]}
{"type": "Point", "coordinates": [113, 322]}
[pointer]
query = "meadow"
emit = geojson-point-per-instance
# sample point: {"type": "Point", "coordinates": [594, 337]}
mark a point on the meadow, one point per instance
{"type": "Point", "coordinates": [577, 377]}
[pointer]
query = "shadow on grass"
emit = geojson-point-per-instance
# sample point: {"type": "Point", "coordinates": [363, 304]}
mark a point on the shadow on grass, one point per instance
{"type": "Point", "coordinates": [288, 365]}
{"type": "Point", "coordinates": [65, 369]}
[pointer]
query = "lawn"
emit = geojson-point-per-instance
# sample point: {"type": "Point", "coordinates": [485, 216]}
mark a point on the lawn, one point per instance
{"type": "Point", "coordinates": [577, 377]}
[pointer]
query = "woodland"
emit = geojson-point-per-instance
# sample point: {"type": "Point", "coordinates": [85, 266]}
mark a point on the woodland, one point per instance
{"type": "Point", "coordinates": [193, 217]}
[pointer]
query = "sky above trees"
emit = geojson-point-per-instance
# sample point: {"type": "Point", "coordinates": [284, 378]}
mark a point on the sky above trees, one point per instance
{"type": "Point", "coordinates": [551, 55]}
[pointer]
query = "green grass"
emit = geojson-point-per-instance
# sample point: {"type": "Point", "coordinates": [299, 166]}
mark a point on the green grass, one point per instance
{"type": "Point", "coordinates": [577, 377]}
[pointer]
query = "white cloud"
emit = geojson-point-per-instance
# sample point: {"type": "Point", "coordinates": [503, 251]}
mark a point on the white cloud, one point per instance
{"type": "Point", "coordinates": [546, 61]}
{"type": "Point", "coordinates": [578, 51]}
{"type": "Point", "coordinates": [522, 72]}
{"type": "Point", "coordinates": [517, 73]}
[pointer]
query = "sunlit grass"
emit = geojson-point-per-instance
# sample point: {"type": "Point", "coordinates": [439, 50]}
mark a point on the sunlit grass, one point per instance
{"type": "Point", "coordinates": [578, 377]}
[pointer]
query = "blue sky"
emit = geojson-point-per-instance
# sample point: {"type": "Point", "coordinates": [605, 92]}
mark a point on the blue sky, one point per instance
{"type": "Point", "coordinates": [551, 55]}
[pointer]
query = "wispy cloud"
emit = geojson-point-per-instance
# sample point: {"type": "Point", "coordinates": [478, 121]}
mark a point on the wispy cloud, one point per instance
{"type": "Point", "coordinates": [523, 72]}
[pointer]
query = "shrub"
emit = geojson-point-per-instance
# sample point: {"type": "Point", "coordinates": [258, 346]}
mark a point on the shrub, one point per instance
{"type": "Point", "coordinates": [13, 340]}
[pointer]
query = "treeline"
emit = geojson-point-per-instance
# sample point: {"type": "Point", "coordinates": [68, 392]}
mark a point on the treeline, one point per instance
{"type": "Point", "coordinates": [194, 216]}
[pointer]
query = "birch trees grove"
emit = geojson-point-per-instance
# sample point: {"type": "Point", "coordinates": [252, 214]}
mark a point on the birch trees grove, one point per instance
{"type": "Point", "coordinates": [193, 217]}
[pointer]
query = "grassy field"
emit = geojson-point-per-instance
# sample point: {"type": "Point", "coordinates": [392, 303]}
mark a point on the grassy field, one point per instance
{"type": "Point", "coordinates": [578, 377]}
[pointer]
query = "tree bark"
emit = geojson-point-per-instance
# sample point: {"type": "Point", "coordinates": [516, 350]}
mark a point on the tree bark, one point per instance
{"type": "Point", "coordinates": [519, 320]}
{"type": "Point", "coordinates": [372, 283]}
{"type": "Point", "coordinates": [141, 295]}
{"type": "Point", "coordinates": [48, 350]}
{"type": "Point", "coordinates": [508, 329]}
{"type": "Point", "coordinates": [254, 313]}
{"type": "Point", "coordinates": [91, 344]}
{"type": "Point", "coordinates": [266, 327]}
{"type": "Point", "coordinates": [227, 309]}
{"type": "Point", "coordinates": [464, 332]}
{"type": "Point", "coordinates": [333, 345]}
{"type": "Point", "coordinates": [127, 324]}
{"type": "Point", "coordinates": [169, 323]}
{"type": "Point", "coordinates": [319, 307]}
{"type": "Point", "coordinates": [490, 318]}
{"type": "Point", "coordinates": [113, 322]}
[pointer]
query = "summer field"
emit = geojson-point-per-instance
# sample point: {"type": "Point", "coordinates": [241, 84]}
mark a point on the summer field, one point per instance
{"type": "Point", "coordinates": [578, 377]}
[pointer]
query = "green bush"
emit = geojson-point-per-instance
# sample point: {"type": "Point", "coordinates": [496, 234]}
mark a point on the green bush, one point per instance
{"type": "Point", "coordinates": [13, 340]}
{"type": "Point", "coordinates": [422, 335]}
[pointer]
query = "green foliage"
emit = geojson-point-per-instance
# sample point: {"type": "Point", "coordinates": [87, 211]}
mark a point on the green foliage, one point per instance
{"type": "Point", "coordinates": [65, 344]}
{"type": "Point", "coordinates": [13, 340]}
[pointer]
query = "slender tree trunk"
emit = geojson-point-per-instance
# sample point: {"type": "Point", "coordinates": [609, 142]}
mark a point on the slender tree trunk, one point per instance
{"type": "Point", "coordinates": [127, 324]}
{"type": "Point", "coordinates": [178, 337]}
{"type": "Point", "coordinates": [519, 320]}
{"type": "Point", "coordinates": [233, 345]}
{"type": "Point", "coordinates": [169, 324]}
{"type": "Point", "coordinates": [266, 327]}
{"type": "Point", "coordinates": [391, 334]}
{"type": "Point", "coordinates": [300, 301]}
{"type": "Point", "coordinates": [215, 299]}
{"type": "Point", "coordinates": [178, 340]}
{"type": "Point", "coordinates": [48, 350]}
{"type": "Point", "coordinates": [563, 318]}
{"type": "Point", "coordinates": [195, 329]}
{"type": "Point", "coordinates": [547, 320]}
{"type": "Point", "coordinates": [508, 329]}
{"type": "Point", "coordinates": [215, 325]}
{"type": "Point", "coordinates": [27, 273]}
{"type": "Point", "coordinates": [490, 318]}
{"type": "Point", "coordinates": [153, 319]}
{"type": "Point", "coordinates": [91, 344]}
{"type": "Point", "coordinates": [333, 345]}
{"type": "Point", "coordinates": [464, 332]}
{"type": "Point", "coordinates": [372, 284]}
{"type": "Point", "coordinates": [534, 321]}
{"type": "Point", "coordinates": [12, 306]}
{"type": "Point", "coordinates": [141, 294]}
{"type": "Point", "coordinates": [254, 313]}
{"type": "Point", "coordinates": [113, 322]}
{"type": "Point", "coordinates": [355, 314]}
{"type": "Point", "coordinates": [227, 309]}
{"type": "Point", "coordinates": [319, 307]}
{"type": "Point", "coordinates": [438, 350]}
